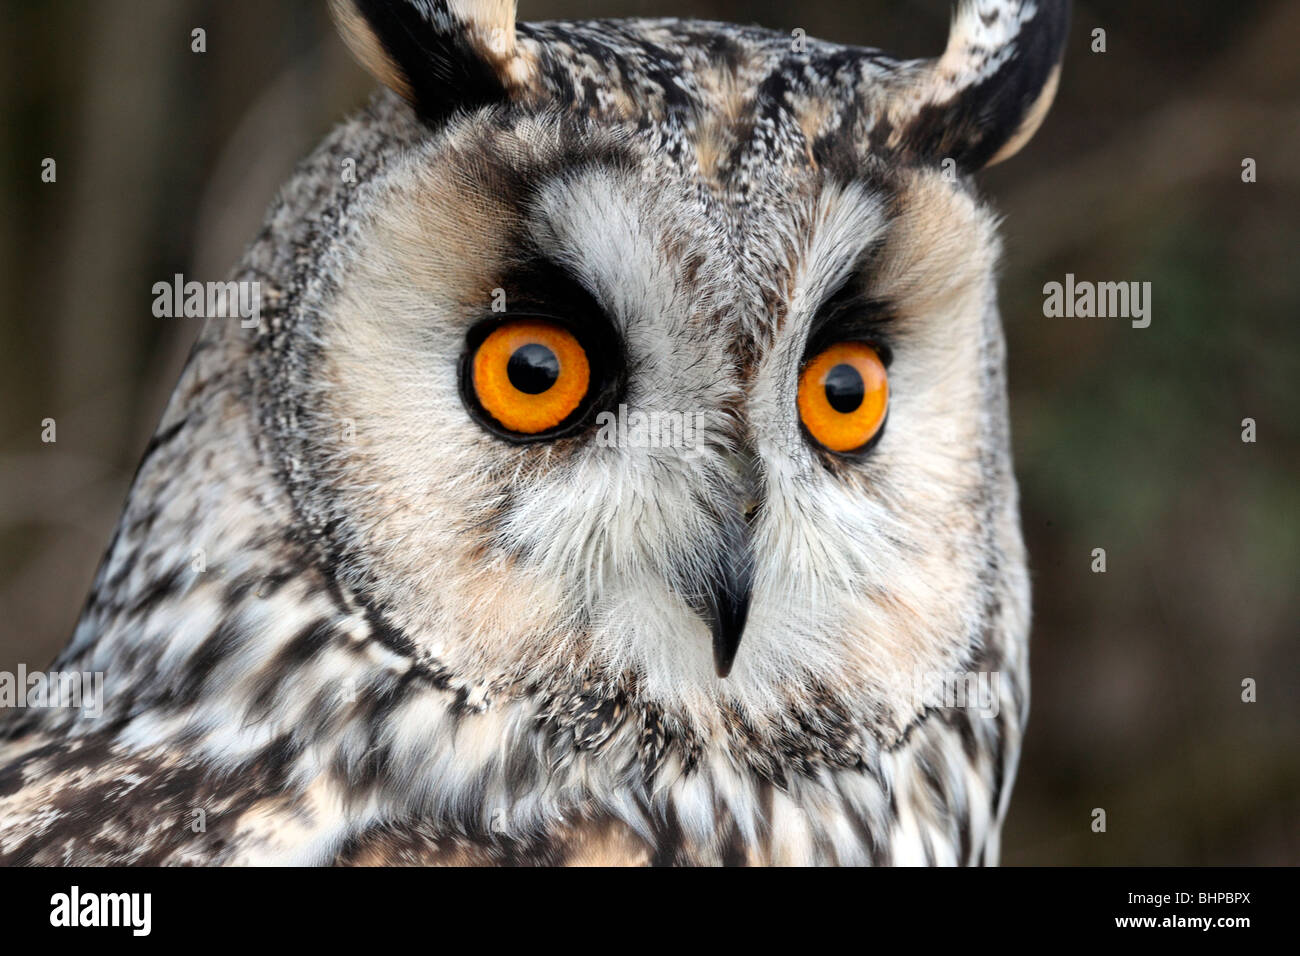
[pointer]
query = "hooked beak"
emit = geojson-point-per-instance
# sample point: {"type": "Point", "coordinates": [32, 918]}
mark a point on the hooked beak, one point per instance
{"type": "Point", "coordinates": [727, 608]}
{"type": "Point", "coordinates": [723, 601]}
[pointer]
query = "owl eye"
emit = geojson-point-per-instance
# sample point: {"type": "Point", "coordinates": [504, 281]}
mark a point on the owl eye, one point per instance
{"type": "Point", "coordinates": [530, 376]}
{"type": "Point", "coordinates": [843, 397]}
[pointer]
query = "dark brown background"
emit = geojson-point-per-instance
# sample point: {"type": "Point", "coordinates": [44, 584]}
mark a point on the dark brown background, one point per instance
{"type": "Point", "coordinates": [1126, 439]}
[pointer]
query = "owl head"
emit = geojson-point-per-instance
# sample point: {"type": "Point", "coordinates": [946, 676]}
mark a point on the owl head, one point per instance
{"type": "Point", "coordinates": [665, 356]}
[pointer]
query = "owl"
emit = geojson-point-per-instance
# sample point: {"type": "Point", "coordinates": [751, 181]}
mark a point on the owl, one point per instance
{"type": "Point", "coordinates": [618, 473]}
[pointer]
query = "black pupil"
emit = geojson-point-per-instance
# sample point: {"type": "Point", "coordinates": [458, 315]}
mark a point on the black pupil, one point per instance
{"type": "Point", "coordinates": [533, 368]}
{"type": "Point", "coordinates": [845, 389]}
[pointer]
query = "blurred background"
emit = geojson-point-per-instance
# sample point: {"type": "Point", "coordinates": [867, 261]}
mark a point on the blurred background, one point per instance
{"type": "Point", "coordinates": [1126, 439]}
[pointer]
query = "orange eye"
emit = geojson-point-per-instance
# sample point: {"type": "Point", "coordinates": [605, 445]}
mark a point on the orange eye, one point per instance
{"type": "Point", "coordinates": [530, 375]}
{"type": "Point", "coordinates": [843, 396]}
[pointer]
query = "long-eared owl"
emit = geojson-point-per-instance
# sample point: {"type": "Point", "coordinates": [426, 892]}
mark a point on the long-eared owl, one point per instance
{"type": "Point", "coordinates": [619, 472]}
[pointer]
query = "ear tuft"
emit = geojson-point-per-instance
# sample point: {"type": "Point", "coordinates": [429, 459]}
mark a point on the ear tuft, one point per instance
{"type": "Point", "coordinates": [984, 99]}
{"type": "Point", "coordinates": [443, 56]}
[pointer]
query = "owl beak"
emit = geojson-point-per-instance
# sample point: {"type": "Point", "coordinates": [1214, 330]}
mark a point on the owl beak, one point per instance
{"type": "Point", "coordinates": [725, 604]}
{"type": "Point", "coordinates": [728, 609]}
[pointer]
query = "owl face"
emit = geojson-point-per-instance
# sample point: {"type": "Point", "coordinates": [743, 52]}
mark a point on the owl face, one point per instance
{"type": "Point", "coordinates": [669, 361]}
